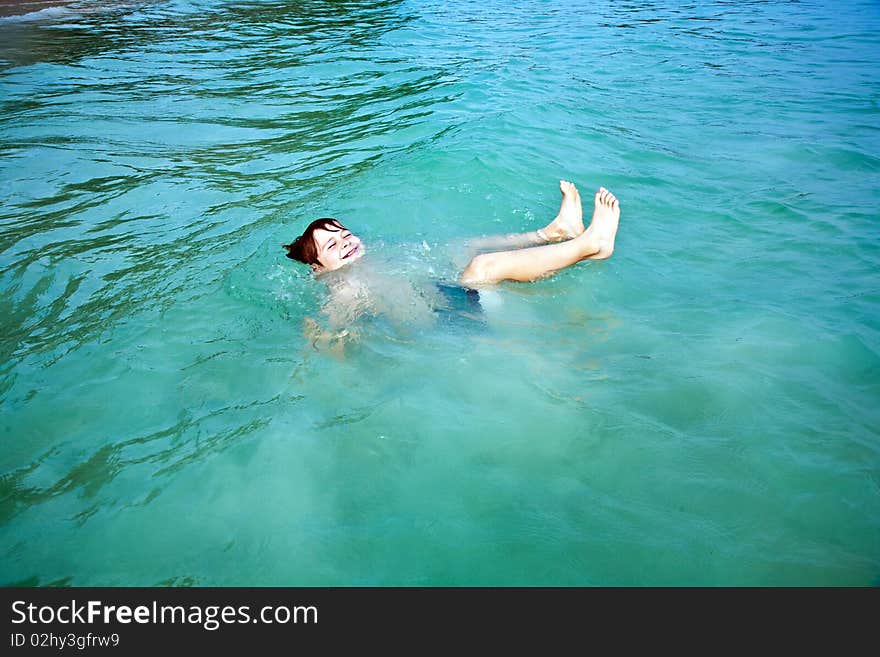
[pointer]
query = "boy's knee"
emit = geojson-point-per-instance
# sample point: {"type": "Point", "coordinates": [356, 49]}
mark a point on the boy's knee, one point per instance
{"type": "Point", "coordinates": [479, 270]}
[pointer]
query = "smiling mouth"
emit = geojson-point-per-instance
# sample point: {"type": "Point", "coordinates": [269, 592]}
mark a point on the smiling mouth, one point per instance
{"type": "Point", "coordinates": [352, 252]}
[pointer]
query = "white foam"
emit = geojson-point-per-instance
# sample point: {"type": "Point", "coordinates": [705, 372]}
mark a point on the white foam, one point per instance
{"type": "Point", "coordinates": [47, 13]}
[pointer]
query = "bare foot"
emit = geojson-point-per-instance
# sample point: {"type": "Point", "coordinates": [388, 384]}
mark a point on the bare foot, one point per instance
{"type": "Point", "coordinates": [603, 227]}
{"type": "Point", "coordinates": [569, 223]}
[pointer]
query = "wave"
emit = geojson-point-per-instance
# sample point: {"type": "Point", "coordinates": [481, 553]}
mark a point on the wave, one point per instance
{"type": "Point", "coordinates": [41, 14]}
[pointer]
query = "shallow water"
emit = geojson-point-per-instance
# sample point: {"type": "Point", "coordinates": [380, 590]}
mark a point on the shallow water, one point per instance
{"type": "Point", "coordinates": [700, 409]}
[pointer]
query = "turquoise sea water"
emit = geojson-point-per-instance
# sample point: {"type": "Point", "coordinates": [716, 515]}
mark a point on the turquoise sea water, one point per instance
{"type": "Point", "coordinates": [702, 408]}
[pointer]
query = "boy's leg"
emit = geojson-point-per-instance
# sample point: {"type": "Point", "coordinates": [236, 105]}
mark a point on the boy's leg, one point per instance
{"type": "Point", "coordinates": [568, 223]}
{"type": "Point", "coordinates": [532, 263]}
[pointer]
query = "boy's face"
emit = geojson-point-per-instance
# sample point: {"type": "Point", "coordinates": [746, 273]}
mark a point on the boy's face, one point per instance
{"type": "Point", "coordinates": [336, 248]}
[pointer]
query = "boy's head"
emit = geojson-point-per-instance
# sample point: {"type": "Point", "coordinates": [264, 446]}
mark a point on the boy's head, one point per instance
{"type": "Point", "coordinates": [325, 245]}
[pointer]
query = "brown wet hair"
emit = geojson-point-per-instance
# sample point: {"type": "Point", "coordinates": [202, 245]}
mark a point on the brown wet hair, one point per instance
{"type": "Point", "coordinates": [303, 248]}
